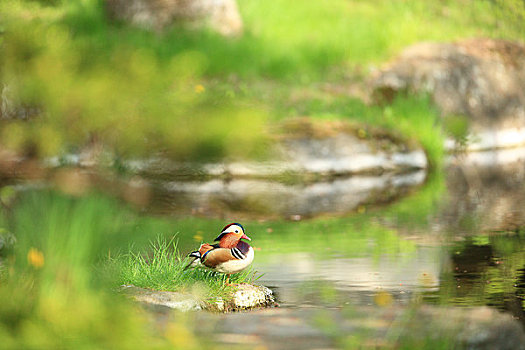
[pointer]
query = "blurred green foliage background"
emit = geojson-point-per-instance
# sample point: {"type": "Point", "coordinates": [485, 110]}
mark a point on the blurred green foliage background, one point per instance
{"type": "Point", "coordinates": [72, 80]}
{"type": "Point", "coordinates": [86, 81]}
{"type": "Point", "coordinates": [81, 90]}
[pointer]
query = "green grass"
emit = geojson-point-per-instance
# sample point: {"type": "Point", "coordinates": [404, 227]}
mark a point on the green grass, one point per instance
{"type": "Point", "coordinates": [304, 40]}
{"type": "Point", "coordinates": [54, 295]}
{"type": "Point", "coordinates": [163, 268]}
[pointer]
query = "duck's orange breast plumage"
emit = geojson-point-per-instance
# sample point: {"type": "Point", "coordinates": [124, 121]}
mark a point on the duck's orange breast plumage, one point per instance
{"type": "Point", "coordinates": [230, 255]}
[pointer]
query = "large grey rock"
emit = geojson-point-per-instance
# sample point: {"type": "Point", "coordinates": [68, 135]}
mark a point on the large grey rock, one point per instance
{"type": "Point", "coordinates": [482, 79]}
{"type": "Point", "coordinates": [220, 15]}
{"type": "Point", "coordinates": [315, 168]}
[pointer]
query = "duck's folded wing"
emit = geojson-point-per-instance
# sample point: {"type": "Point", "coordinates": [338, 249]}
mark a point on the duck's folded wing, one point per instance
{"type": "Point", "coordinates": [218, 256]}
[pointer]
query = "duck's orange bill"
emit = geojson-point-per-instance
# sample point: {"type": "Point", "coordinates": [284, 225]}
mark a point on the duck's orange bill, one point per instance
{"type": "Point", "coordinates": [245, 237]}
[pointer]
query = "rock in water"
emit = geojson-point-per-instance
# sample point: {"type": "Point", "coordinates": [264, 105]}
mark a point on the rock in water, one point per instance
{"type": "Point", "coordinates": [220, 15]}
{"type": "Point", "coordinates": [481, 79]}
{"type": "Point", "coordinates": [247, 296]}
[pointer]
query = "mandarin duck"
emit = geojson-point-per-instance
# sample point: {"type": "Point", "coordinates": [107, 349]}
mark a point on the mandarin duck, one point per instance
{"type": "Point", "coordinates": [230, 255]}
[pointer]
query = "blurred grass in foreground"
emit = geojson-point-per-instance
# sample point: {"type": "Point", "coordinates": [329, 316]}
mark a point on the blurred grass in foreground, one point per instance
{"type": "Point", "coordinates": [55, 296]}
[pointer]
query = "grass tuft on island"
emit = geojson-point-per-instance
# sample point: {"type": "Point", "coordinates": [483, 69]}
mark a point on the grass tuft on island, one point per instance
{"type": "Point", "coordinates": [163, 268]}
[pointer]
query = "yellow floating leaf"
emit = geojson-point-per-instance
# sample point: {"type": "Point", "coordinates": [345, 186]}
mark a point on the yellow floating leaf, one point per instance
{"type": "Point", "coordinates": [383, 298]}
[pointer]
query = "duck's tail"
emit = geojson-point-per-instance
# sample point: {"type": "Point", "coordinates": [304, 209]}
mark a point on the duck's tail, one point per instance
{"type": "Point", "coordinates": [195, 259]}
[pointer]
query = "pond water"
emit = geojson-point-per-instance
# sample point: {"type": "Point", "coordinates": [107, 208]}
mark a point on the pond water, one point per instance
{"type": "Point", "coordinates": [350, 259]}
{"type": "Point", "coordinates": [452, 242]}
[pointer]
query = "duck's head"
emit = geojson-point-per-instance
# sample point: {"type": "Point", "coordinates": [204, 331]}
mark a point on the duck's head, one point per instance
{"type": "Point", "coordinates": [231, 234]}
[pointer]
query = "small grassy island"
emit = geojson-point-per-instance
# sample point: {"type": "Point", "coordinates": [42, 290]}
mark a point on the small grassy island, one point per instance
{"type": "Point", "coordinates": [164, 269]}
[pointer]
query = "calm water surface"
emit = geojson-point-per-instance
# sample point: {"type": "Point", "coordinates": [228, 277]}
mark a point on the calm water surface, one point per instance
{"type": "Point", "coordinates": [350, 257]}
{"type": "Point", "coordinates": [452, 242]}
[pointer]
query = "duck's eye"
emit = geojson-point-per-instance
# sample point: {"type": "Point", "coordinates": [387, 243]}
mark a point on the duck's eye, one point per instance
{"type": "Point", "coordinates": [236, 231]}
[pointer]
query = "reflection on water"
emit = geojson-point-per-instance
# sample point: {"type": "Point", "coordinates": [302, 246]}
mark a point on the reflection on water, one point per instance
{"type": "Point", "coordinates": [485, 271]}
{"type": "Point", "coordinates": [359, 278]}
{"type": "Point", "coordinates": [487, 191]}
{"type": "Point", "coordinates": [263, 198]}
{"type": "Point", "coordinates": [474, 272]}
{"type": "Point", "coordinates": [342, 278]}
{"type": "Point", "coordinates": [435, 245]}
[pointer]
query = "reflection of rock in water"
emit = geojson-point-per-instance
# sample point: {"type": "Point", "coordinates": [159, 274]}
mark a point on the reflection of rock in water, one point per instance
{"type": "Point", "coordinates": [487, 190]}
{"type": "Point", "coordinates": [251, 196]}
{"type": "Point", "coordinates": [314, 168]}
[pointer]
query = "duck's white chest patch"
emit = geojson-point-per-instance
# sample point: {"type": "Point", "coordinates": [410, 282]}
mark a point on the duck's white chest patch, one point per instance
{"type": "Point", "coordinates": [237, 265]}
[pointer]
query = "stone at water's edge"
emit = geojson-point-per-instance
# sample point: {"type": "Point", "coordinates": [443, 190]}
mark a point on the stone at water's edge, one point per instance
{"type": "Point", "coordinates": [308, 147]}
{"type": "Point", "coordinates": [247, 296]}
{"type": "Point", "coordinates": [314, 168]}
{"type": "Point", "coordinates": [481, 79]}
{"type": "Point", "coordinates": [244, 297]}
